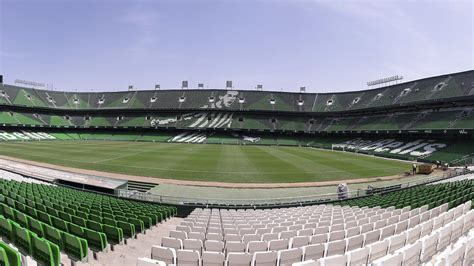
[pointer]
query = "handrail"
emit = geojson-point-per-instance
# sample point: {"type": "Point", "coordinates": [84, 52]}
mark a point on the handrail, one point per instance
{"type": "Point", "coordinates": [300, 200]}
{"type": "Point", "coordinates": [262, 202]}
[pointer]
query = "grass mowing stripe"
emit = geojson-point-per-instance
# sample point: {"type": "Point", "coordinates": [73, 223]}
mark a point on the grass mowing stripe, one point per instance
{"type": "Point", "coordinates": [225, 163]}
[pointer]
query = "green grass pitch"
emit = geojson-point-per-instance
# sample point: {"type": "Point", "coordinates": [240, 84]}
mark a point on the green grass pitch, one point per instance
{"type": "Point", "coordinates": [201, 162]}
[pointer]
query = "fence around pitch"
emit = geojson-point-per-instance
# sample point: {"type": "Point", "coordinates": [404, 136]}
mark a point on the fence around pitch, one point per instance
{"type": "Point", "coordinates": [268, 202]}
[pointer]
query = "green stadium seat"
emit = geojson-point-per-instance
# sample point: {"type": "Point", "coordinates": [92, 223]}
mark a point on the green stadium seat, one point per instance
{"type": "Point", "coordinates": [20, 206]}
{"type": "Point", "coordinates": [139, 226]}
{"type": "Point", "coordinates": [51, 211]}
{"type": "Point", "coordinates": [95, 218]}
{"type": "Point", "coordinates": [65, 216]}
{"type": "Point", "coordinates": [35, 226]}
{"type": "Point", "coordinates": [44, 217]}
{"type": "Point", "coordinates": [7, 211]}
{"type": "Point", "coordinates": [127, 228]}
{"type": "Point", "coordinates": [11, 202]}
{"type": "Point", "coordinates": [6, 228]}
{"type": "Point", "coordinates": [109, 221]}
{"type": "Point", "coordinates": [20, 218]}
{"type": "Point", "coordinates": [40, 207]}
{"type": "Point", "coordinates": [82, 214]}
{"type": "Point", "coordinates": [45, 252]}
{"type": "Point", "coordinates": [97, 241]}
{"type": "Point", "coordinates": [94, 226]}
{"type": "Point", "coordinates": [52, 234]}
{"type": "Point", "coordinates": [108, 216]}
{"type": "Point", "coordinates": [59, 224]}
{"type": "Point", "coordinates": [69, 211]}
{"type": "Point", "coordinates": [3, 257]}
{"type": "Point", "coordinates": [31, 212]}
{"type": "Point", "coordinates": [76, 248]}
{"type": "Point", "coordinates": [147, 221]}
{"type": "Point", "coordinates": [114, 234]}
{"type": "Point", "coordinates": [58, 207]}
{"type": "Point", "coordinates": [75, 230]}
{"type": "Point", "coordinates": [22, 239]}
{"type": "Point", "coordinates": [9, 256]}
{"type": "Point", "coordinates": [96, 212]}
{"type": "Point", "coordinates": [78, 220]}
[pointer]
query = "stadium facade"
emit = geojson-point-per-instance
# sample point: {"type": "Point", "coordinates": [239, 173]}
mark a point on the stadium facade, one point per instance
{"type": "Point", "coordinates": [419, 120]}
{"type": "Point", "coordinates": [406, 224]}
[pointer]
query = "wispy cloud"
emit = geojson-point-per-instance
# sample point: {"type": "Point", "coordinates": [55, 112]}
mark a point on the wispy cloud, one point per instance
{"type": "Point", "coordinates": [390, 18]}
{"type": "Point", "coordinates": [145, 22]}
{"type": "Point", "coordinates": [12, 55]}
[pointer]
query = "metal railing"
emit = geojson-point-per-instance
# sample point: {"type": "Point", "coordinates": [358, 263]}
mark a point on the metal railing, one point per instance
{"type": "Point", "coordinates": [300, 200]}
{"type": "Point", "coordinates": [261, 202]}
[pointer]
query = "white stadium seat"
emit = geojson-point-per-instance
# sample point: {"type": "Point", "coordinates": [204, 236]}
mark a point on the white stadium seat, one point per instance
{"type": "Point", "coordinates": [167, 255]}
{"type": "Point", "coordinates": [149, 262]}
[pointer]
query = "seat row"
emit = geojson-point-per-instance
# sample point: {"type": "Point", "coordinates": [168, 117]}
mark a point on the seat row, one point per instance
{"type": "Point", "coordinates": [318, 234]}
{"type": "Point", "coordinates": [460, 253]}
{"type": "Point", "coordinates": [334, 242]}
{"type": "Point", "coordinates": [9, 255]}
{"type": "Point", "coordinates": [421, 251]}
{"type": "Point", "coordinates": [23, 218]}
{"type": "Point", "coordinates": [30, 244]}
{"type": "Point", "coordinates": [374, 248]}
{"type": "Point", "coordinates": [263, 227]}
{"type": "Point", "coordinates": [326, 213]}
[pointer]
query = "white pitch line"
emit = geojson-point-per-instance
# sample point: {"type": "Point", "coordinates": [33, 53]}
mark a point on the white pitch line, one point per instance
{"type": "Point", "coordinates": [125, 155]}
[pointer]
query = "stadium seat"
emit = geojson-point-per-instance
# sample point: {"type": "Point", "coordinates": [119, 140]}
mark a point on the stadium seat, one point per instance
{"type": "Point", "coordinates": [149, 262]}
{"type": "Point", "coordinates": [377, 250]}
{"type": "Point", "coordinates": [390, 260]}
{"type": "Point", "coordinates": [358, 256]}
{"type": "Point", "coordinates": [411, 254]}
{"type": "Point", "coordinates": [167, 255]}
{"type": "Point", "coordinates": [35, 226]}
{"type": "Point", "coordinates": [188, 257]}
{"type": "Point", "coordinates": [213, 258]}
{"type": "Point", "coordinates": [428, 246]}
{"type": "Point", "coordinates": [278, 244]}
{"type": "Point", "coordinates": [299, 241]}
{"type": "Point", "coordinates": [469, 252]}
{"type": "Point", "coordinates": [44, 251]}
{"type": "Point", "coordinates": [76, 248]}
{"type": "Point", "coordinates": [9, 256]}
{"type": "Point", "coordinates": [6, 228]}
{"type": "Point", "coordinates": [193, 244]}
{"type": "Point", "coordinates": [22, 239]}
{"type": "Point", "coordinates": [456, 256]}
{"type": "Point", "coordinates": [265, 258]}
{"type": "Point", "coordinates": [97, 241]}
{"type": "Point", "coordinates": [289, 256]}
{"type": "Point", "coordinates": [171, 243]}
{"type": "Point", "coordinates": [235, 246]}
{"type": "Point", "coordinates": [114, 234]}
{"type": "Point", "coordinates": [238, 259]}
{"type": "Point", "coordinates": [313, 252]}
{"type": "Point", "coordinates": [254, 246]}
{"type": "Point", "coordinates": [53, 235]}
{"type": "Point", "coordinates": [214, 245]}
{"type": "Point", "coordinates": [355, 242]}
{"type": "Point", "coordinates": [396, 242]}
{"type": "Point", "coordinates": [333, 260]}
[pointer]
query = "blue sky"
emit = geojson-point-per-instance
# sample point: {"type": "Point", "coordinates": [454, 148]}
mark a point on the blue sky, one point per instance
{"type": "Point", "coordinates": [323, 45]}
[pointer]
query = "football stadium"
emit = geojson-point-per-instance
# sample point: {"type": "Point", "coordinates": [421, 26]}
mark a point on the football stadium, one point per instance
{"type": "Point", "coordinates": [229, 175]}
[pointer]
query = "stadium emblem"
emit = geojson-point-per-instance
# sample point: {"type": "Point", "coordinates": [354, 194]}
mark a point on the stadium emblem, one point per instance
{"type": "Point", "coordinates": [251, 139]}
{"type": "Point", "coordinates": [24, 135]}
{"type": "Point", "coordinates": [199, 120]}
{"type": "Point", "coordinates": [225, 100]}
{"type": "Point", "coordinates": [416, 148]}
